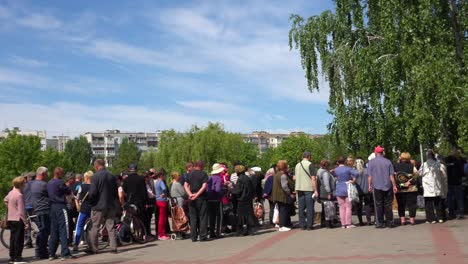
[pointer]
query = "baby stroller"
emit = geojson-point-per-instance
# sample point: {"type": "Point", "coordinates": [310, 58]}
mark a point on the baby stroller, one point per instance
{"type": "Point", "coordinates": [180, 223]}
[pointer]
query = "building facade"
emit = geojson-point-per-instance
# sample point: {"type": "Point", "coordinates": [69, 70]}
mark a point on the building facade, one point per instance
{"type": "Point", "coordinates": [38, 133]}
{"type": "Point", "coordinates": [57, 142]}
{"type": "Point", "coordinates": [106, 144]}
{"type": "Point", "coordinates": [264, 140]}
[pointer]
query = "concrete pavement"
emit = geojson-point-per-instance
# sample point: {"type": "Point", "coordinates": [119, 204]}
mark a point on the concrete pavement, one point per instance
{"type": "Point", "coordinates": [422, 243]}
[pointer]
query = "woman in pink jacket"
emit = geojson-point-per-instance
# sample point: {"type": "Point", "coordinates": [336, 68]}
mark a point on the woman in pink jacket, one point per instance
{"type": "Point", "coordinates": [17, 220]}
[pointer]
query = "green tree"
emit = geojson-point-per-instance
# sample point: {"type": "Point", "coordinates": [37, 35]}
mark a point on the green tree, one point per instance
{"type": "Point", "coordinates": [77, 155]}
{"type": "Point", "coordinates": [396, 71]}
{"type": "Point", "coordinates": [211, 144]}
{"type": "Point", "coordinates": [18, 154]}
{"type": "Point", "coordinates": [127, 154]}
{"type": "Point", "coordinates": [52, 158]}
{"type": "Point", "coordinates": [147, 160]}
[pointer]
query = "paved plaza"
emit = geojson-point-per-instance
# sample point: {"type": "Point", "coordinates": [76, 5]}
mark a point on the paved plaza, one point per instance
{"type": "Point", "coordinates": [422, 243]}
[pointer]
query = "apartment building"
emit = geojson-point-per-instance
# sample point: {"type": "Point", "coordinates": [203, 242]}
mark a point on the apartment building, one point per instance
{"type": "Point", "coordinates": [38, 133]}
{"type": "Point", "coordinates": [57, 142]}
{"type": "Point", "coordinates": [105, 144]}
{"type": "Point", "coordinates": [264, 140]}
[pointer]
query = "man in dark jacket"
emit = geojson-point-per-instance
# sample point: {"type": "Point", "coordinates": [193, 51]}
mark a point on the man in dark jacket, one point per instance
{"type": "Point", "coordinates": [102, 197]}
{"type": "Point", "coordinates": [135, 189]}
{"type": "Point", "coordinates": [455, 196]}
{"type": "Point", "coordinates": [59, 223]}
{"type": "Point", "coordinates": [40, 200]}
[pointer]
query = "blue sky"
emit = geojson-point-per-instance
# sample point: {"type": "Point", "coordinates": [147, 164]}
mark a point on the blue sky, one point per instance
{"type": "Point", "coordinates": [76, 66]}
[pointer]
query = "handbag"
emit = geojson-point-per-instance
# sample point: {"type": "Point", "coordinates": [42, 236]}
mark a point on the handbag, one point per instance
{"type": "Point", "coordinates": [353, 194]}
{"type": "Point", "coordinates": [259, 212]}
{"type": "Point", "coordinates": [330, 210]}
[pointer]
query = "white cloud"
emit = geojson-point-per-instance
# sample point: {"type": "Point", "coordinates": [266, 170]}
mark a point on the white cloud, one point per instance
{"type": "Point", "coordinates": [121, 52]}
{"type": "Point", "coordinates": [216, 107]}
{"type": "Point", "coordinates": [28, 62]}
{"type": "Point", "coordinates": [39, 21]}
{"type": "Point", "coordinates": [71, 84]}
{"type": "Point", "coordinates": [243, 41]}
{"type": "Point", "coordinates": [76, 118]}
{"type": "Point", "coordinates": [21, 78]}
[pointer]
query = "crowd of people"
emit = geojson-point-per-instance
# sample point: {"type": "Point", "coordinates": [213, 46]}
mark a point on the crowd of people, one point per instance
{"type": "Point", "coordinates": [221, 203]}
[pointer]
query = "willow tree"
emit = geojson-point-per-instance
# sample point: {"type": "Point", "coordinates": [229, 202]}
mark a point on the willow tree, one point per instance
{"type": "Point", "coordinates": [211, 144]}
{"type": "Point", "coordinates": [395, 68]}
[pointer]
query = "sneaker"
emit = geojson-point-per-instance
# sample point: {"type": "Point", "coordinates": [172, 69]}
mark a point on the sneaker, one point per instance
{"type": "Point", "coordinates": [284, 229]}
{"type": "Point", "coordinates": [163, 238]}
{"type": "Point", "coordinates": [67, 257]}
{"type": "Point", "coordinates": [434, 222]}
{"type": "Point", "coordinates": [52, 258]}
{"type": "Point", "coordinates": [277, 226]}
{"type": "Point", "coordinates": [351, 226]}
{"type": "Point", "coordinates": [427, 222]}
{"type": "Point", "coordinates": [19, 262]}
{"type": "Point", "coordinates": [441, 221]}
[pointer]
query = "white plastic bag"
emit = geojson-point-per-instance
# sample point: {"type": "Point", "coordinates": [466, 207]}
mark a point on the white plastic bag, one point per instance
{"type": "Point", "coordinates": [276, 215]}
{"type": "Point", "coordinates": [353, 194]}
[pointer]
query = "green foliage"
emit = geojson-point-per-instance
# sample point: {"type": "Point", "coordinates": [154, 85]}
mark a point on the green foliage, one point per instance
{"type": "Point", "coordinates": [18, 154]}
{"type": "Point", "coordinates": [52, 158]}
{"type": "Point", "coordinates": [77, 155]}
{"type": "Point", "coordinates": [211, 144]}
{"type": "Point", "coordinates": [127, 154]}
{"type": "Point", "coordinates": [147, 160]}
{"type": "Point", "coordinates": [396, 71]}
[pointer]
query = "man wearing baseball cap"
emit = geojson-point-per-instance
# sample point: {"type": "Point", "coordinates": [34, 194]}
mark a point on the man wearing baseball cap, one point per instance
{"type": "Point", "coordinates": [382, 183]}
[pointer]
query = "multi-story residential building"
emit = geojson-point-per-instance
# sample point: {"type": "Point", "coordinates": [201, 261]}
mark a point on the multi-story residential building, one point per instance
{"type": "Point", "coordinates": [105, 144]}
{"type": "Point", "coordinates": [57, 142]}
{"type": "Point", "coordinates": [40, 134]}
{"type": "Point", "coordinates": [264, 140]}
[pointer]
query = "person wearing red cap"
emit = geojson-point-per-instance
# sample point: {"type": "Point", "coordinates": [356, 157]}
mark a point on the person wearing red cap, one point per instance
{"type": "Point", "coordinates": [382, 183]}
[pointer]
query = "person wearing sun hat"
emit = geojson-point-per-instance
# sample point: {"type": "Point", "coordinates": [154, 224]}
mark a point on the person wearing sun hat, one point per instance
{"type": "Point", "coordinates": [215, 194]}
{"type": "Point", "coordinates": [382, 183]}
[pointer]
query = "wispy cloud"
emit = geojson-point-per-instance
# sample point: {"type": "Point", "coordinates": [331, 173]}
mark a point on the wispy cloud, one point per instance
{"type": "Point", "coordinates": [216, 107]}
{"type": "Point", "coordinates": [28, 62]}
{"type": "Point", "coordinates": [39, 21]}
{"type": "Point", "coordinates": [121, 52]}
{"type": "Point", "coordinates": [77, 118]}
{"type": "Point", "coordinates": [72, 84]}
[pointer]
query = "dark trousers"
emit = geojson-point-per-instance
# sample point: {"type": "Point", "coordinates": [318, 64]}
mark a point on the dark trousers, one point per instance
{"type": "Point", "coordinates": [366, 200]}
{"type": "Point", "coordinates": [456, 200]}
{"type": "Point", "coordinates": [214, 213]}
{"type": "Point", "coordinates": [306, 209]}
{"type": "Point", "coordinates": [43, 224]}
{"type": "Point", "coordinates": [245, 218]}
{"type": "Point", "coordinates": [271, 211]}
{"type": "Point", "coordinates": [148, 214]}
{"type": "Point", "coordinates": [383, 206]}
{"type": "Point", "coordinates": [16, 239]}
{"type": "Point", "coordinates": [198, 218]}
{"type": "Point", "coordinates": [284, 215]}
{"type": "Point", "coordinates": [431, 204]}
{"type": "Point", "coordinates": [59, 230]}
{"type": "Point", "coordinates": [407, 200]}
